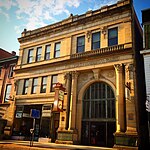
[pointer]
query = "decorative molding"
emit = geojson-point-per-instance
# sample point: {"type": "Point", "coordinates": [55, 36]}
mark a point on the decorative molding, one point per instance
{"type": "Point", "coordinates": [118, 67]}
{"type": "Point", "coordinates": [88, 35]}
{"type": "Point", "coordinates": [96, 73]}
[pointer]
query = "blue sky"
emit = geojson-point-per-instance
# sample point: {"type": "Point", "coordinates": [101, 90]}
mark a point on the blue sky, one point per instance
{"type": "Point", "coordinates": [15, 15]}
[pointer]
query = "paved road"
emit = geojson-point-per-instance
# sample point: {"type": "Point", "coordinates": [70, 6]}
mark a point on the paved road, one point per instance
{"type": "Point", "coordinates": [24, 147]}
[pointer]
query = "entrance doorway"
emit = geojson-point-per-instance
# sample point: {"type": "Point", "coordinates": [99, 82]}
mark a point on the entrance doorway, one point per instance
{"type": "Point", "coordinates": [98, 120]}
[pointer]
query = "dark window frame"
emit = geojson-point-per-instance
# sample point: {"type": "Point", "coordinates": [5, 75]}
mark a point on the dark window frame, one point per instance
{"type": "Point", "coordinates": [57, 51]}
{"type": "Point", "coordinates": [30, 56]}
{"type": "Point", "coordinates": [43, 84]}
{"type": "Point", "coordinates": [11, 70]}
{"type": "Point", "coordinates": [53, 82]}
{"type": "Point", "coordinates": [25, 87]}
{"type": "Point", "coordinates": [7, 93]}
{"type": "Point", "coordinates": [112, 40]}
{"type": "Point", "coordinates": [39, 53]}
{"type": "Point", "coordinates": [34, 85]}
{"type": "Point", "coordinates": [80, 46]}
{"type": "Point", "coordinates": [96, 42]}
{"type": "Point", "coordinates": [47, 53]}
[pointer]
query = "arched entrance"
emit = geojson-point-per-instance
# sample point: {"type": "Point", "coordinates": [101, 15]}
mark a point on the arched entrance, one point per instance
{"type": "Point", "coordinates": [98, 119]}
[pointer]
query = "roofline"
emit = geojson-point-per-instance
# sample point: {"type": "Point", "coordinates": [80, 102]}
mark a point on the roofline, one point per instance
{"type": "Point", "coordinates": [8, 59]}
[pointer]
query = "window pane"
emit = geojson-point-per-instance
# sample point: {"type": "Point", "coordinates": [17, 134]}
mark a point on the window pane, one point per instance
{"type": "Point", "coordinates": [57, 50]}
{"type": "Point", "coordinates": [39, 52]}
{"type": "Point", "coordinates": [80, 44]}
{"type": "Point", "coordinates": [53, 82]}
{"type": "Point", "coordinates": [7, 92]}
{"type": "Point", "coordinates": [96, 37]}
{"type": "Point", "coordinates": [43, 85]}
{"type": "Point", "coordinates": [30, 56]}
{"type": "Point", "coordinates": [34, 86]}
{"type": "Point", "coordinates": [47, 52]}
{"type": "Point", "coordinates": [112, 37]}
{"type": "Point", "coordinates": [99, 102]}
{"type": "Point", "coordinates": [57, 46]}
{"type": "Point", "coordinates": [26, 84]}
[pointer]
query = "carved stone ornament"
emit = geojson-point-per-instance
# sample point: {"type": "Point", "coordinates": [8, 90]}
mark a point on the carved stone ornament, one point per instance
{"type": "Point", "coordinates": [96, 73]}
{"type": "Point", "coordinates": [88, 35]}
{"type": "Point", "coordinates": [75, 74]}
{"type": "Point", "coordinates": [118, 67]}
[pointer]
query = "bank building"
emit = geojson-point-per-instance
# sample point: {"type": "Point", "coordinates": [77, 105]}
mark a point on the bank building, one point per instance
{"type": "Point", "coordinates": [79, 73]}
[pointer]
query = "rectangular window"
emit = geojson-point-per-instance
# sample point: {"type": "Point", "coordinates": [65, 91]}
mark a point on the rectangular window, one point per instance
{"type": "Point", "coordinates": [11, 71]}
{"type": "Point", "coordinates": [53, 82]}
{"type": "Point", "coordinates": [47, 52]}
{"type": "Point", "coordinates": [147, 36]}
{"type": "Point", "coordinates": [25, 87]}
{"type": "Point", "coordinates": [7, 92]}
{"type": "Point", "coordinates": [30, 56]}
{"type": "Point", "coordinates": [112, 36]}
{"type": "Point", "coordinates": [57, 50]}
{"type": "Point", "coordinates": [38, 53]}
{"type": "Point", "coordinates": [95, 40]}
{"type": "Point", "coordinates": [43, 84]}
{"type": "Point", "coordinates": [81, 44]}
{"type": "Point", "coordinates": [34, 85]}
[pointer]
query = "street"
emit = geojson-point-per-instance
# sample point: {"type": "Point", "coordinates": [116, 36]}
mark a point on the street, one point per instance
{"type": "Point", "coordinates": [24, 147]}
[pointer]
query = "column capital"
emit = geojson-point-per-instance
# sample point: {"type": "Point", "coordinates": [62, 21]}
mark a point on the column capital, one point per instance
{"type": "Point", "coordinates": [67, 75]}
{"type": "Point", "coordinates": [118, 67]}
{"type": "Point", "coordinates": [75, 74]}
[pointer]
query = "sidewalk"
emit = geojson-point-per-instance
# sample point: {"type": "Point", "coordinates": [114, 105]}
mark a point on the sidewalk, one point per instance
{"type": "Point", "coordinates": [53, 145]}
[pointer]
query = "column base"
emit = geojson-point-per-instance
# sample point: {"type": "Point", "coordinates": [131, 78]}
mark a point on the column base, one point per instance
{"type": "Point", "coordinates": [126, 141]}
{"type": "Point", "coordinates": [67, 137]}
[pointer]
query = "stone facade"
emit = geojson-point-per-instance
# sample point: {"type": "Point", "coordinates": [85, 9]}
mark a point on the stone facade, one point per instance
{"type": "Point", "coordinates": [110, 67]}
{"type": "Point", "coordinates": [7, 90]}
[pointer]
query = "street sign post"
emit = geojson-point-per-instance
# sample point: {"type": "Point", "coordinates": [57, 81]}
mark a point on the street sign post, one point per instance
{"type": "Point", "coordinates": [35, 114]}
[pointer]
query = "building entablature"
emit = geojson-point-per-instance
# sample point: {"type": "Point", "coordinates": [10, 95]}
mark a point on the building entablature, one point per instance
{"type": "Point", "coordinates": [101, 52]}
{"type": "Point", "coordinates": [116, 12]}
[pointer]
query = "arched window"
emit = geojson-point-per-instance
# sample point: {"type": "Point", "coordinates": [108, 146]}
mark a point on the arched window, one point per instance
{"type": "Point", "coordinates": [99, 102]}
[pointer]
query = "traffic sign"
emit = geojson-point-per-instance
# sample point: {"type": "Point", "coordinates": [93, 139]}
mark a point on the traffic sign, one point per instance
{"type": "Point", "coordinates": [35, 113]}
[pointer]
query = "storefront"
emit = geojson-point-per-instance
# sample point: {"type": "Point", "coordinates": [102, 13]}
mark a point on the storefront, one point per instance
{"type": "Point", "coordinates": [45, 126]}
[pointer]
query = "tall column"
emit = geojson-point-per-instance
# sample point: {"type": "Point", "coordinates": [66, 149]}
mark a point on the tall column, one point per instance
{"type": "Point", "coordinates": [68, 78]}
{"type": "Point", "coordinates": [74, 99]}
{"type": "Point", "coordinates": [120, 95]}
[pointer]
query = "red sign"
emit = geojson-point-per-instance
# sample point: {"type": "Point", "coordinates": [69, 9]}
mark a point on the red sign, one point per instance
{"type": "Point", "coordinates": [59, 97]}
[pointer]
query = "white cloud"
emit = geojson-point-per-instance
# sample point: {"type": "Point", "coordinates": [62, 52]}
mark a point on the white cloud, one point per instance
{"type": "Point", "coordinates": [36, 13]}
{"type": "Point", "coordinates": [7, 4]}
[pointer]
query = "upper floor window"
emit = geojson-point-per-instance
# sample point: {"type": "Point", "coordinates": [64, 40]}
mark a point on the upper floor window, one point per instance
{"type": "Point", "coordinates": [11, 71]}
{"type": "Point", "coordinates": [47, 52]}
{"type": "Point", "coordinates": [80, 44]}
{"type": "Point", "coordinates": [147, 36]}
{"type": "Point", "coordinates": [25, 87]}
{"type": "Point", "coordinates": [53, 82]}
{"type": "Point", "coordinates": [30, 56]}
{"type": "Point", "coordinates": [34, 85]}
{"type": "Point", "coordinates": [112, 36]}
{"type": "Point", "coordinates": [38, 53]}
{"type": "Point", "coordinates": [57, 50]}
{"type": "Point", "coordinates": [43, 84]}
{"type": "Point", "coordinates": [95, 40]}
{"type": "Point", "coordinates": [8, 92]}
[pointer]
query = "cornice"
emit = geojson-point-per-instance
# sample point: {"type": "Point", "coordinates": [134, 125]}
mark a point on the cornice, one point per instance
{"type": "Point", "coordinates": [76, 20]}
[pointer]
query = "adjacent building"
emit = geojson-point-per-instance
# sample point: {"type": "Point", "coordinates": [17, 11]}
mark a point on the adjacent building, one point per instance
{"type": "Point", "coordinates": [93, 57]}
{"type": "Point", "coordinates": [7, 91]}
{"type": "Point", "coordinates": [146, 55]}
